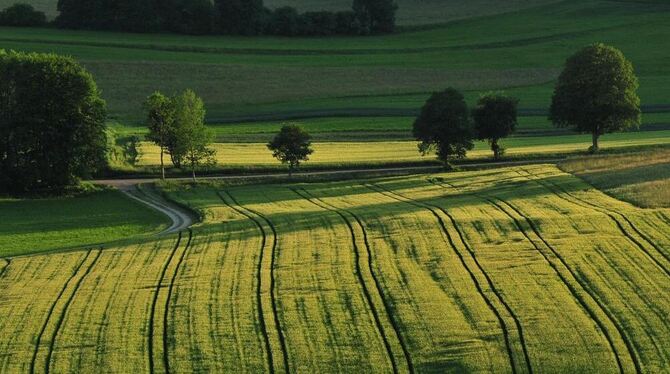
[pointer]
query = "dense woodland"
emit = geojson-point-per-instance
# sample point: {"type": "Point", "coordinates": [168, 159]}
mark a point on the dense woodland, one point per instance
{"type": "Point", "coordinates": [228, 17]}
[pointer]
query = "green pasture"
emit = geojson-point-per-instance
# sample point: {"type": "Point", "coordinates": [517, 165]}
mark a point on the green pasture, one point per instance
{"type": "Point", "coordinates": [248, 76]}
{"type": "Point", "coordinates": [46, 224]}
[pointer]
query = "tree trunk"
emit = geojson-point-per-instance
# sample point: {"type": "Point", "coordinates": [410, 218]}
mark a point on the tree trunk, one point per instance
{"type": "Point", "coordinates": [290, 170]}
{"type": "Point", "coordinates": [496, 150]}
{"type": "Point", "coordinates": [594, 147]}
{"type": "Point", "coordinates": [162, 165]}
{"type": "Point", "coordinates": [193, 173]}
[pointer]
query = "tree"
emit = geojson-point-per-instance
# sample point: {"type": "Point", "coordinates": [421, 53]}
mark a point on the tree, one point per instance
{"type": "Point", "coordinates": [240, 17]}
{"type": "Point", "coordinates": [596, 93]}
{"type": "Point", "coordinates": [444, 126]}
{"type": "Point", "coordinates": [375, 16]}
{"type": "Point", "coordinates": [291, 146]}
{"type": "Point", "coordinates": [161, 122]}
{"type": "Point", "coordinates": [52, 122]}
{"type": "Point", "coordinates": [495, 119]}
{"type": "Point", "coordinates": [22, 15]}
{"type": "Point", "coordinates": [192, 136]}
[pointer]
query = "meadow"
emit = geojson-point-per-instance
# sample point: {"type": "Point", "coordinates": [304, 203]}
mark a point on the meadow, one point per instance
{"type": "Point", "coordinates": [46, 224]}
{"type": "Point", "coordinates": [523, 269]}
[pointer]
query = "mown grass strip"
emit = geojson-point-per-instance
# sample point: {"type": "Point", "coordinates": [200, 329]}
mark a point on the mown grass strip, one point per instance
{"type": "Point", "coordinates": [152, 313]}
{"type": "Point", "coordinates": [255, 216]}
{"type": "Point", "coordinates": [571, 198]}
{"type": "Point", "coordinates": [498, 314]}
{"type": "Point", "coordinates": [631, 350]}
{"type": "Point", "coordinates": [366, 291]}
{"type": "Point", "coordinates": [166, 312]}
{"type": "Point", "coordinates": [33, 360]}
{"type": "Point", "coordinates": [61, 318]}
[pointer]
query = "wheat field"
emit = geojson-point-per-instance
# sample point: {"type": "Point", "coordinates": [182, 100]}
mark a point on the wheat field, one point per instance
{"type": "Point", "coordinates": [524, 269]}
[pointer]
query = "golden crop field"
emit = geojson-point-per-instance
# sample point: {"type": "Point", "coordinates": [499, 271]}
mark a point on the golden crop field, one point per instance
{"type": "Point", "coordinates": [517, 270]}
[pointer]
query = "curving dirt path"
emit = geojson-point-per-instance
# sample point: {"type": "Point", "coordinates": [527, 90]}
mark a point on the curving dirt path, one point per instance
{"type": "Point", "coordinates": [181, 219]}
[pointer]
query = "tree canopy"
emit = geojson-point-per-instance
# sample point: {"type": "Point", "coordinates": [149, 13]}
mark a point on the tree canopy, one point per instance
{"type": "Point", "coordinates": [161, 123]}
{"type": "Point", "coordinates": [52, 122]}
{"type": "Point", "coordinates": [291, 146]}
{"type": "Point", "coordinates": [375, 16]}
{"type": "Point", "coordinates": [21, 14]}
{"type": "Point", "coordinates": [192, 137]}
{"type": "Point", "coordinates": [495, 118]}
{"type": "Point", "coordinates": [596, 93]}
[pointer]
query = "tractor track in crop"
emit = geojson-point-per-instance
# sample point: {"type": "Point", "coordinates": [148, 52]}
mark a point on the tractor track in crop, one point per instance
{"type": "Point", "coordinates": [571, 198]}
{"type": "Point", "coordinates": [610, 340]}
{"type": "Point", "coordinates": [61, 318]}
{"type": "Point", "coordinates": [4, 269]}
{"type": "Point", "coordinates": [168, 298]}
{"type": "Point", "coordinates": [254, 216]}
{"type": "Point", "coordinates": [33, 361]}
{"type": "Point", "coordinates": [152, 313]}
{"type": "Point", "coordinates": [366, 291]}
{"type": "Point", "coordinates": [506, 335]}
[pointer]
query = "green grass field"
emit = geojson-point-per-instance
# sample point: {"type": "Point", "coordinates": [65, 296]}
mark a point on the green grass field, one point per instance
{"type": "Point", "coordinates": [243, 76]}
{"type": "Point", "coordinates": [507, 270]}
{"type": "Point", "coordinates": [37, 225]}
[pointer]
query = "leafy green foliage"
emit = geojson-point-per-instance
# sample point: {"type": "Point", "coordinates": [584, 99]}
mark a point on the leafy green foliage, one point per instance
{"type": "Point", "coordinates": [596, 93]}
{"type": "Point", "coordinates": [291, 146]}
{"type": "Point", "coordinates": [161, 123]}
{"type": "Point", "coordinates": [375, 16]}
{"type": "Point", "coordinates": [52, 122]}
{"type": "Point", "coordinates": [495, 117]}
{"type": "Point", "coordinates": [23, 15]}
{"type": "Point", "coordinates": [240, 17]}
{"type": "Point", "coordinates": [192, 136]}
{"type": "Point", "coordinates": [444, 126]}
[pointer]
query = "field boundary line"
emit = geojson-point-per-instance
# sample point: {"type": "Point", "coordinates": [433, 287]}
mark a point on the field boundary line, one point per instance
{"type": "Point", "coordinates": [368, 296]}
{"type": "Point", "coordinates": [166, 312]}
{"type": "Point", "coordinates": [573, 291]}
{"type": "Point", "coordinates": [61, 318]}
{"type": "Point", "coordinates": [8, 262]}
{"type": "Point", "coordinates": [152, 313]}
{"type": "Point", "coordinates": [612, 214]}
{"type": "Point", "coordinates": [489, 281]}
{"type": "Point", "coordinates": [51, 310]}
{"type": "Point", "coordinates": [254, 216]}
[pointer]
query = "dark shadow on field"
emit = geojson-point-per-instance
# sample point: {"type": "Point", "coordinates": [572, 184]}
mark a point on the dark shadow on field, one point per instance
{"type": "Point", "coordinates": [632, 175]}
{"type": "Point", "coordinates": [505, 183]}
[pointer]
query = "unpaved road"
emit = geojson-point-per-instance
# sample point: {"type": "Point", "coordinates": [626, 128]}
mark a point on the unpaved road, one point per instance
{"type": "Point", "coordinates": [181, 219]}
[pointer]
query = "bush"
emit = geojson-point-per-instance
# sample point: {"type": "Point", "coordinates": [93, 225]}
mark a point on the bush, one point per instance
{"type": "Point", "coordinates": [23, 15]}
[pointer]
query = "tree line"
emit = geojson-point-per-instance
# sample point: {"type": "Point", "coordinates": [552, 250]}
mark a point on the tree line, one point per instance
{"type": "Point", "coordinates": [53, 130]}
{"type": "Point", "coordinates": [201, 17]}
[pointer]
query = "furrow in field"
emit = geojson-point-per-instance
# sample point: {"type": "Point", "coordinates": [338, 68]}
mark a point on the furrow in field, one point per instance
{"type": "Point", "coordinates": [526, 364]}
{"type": "Point", "coordinates": [387, 319]}
{"type": "Point", "coordinates": [106, 324]}
{"type": "Point", "coordinates": [4, 268]}
{"type": "Point", "coordinates": [624, 224]}
{"type": "Point", "coordinates": [61, 317]}
{"type": "Point", "coordinates": [265, 284]}
{"type": "Point", "coordinates": [168, 299]}
{"type": "Point", "coordinates": [612, 267]}
{"type": "Point", "coordinates": [607, 323]}
{"type": "Point", "coordinates": [57, 300]}
{"type": "Point", "coordinates": [326, 319]}
{"type": "Point", "coordinates": [152, 314]}
{"type": "Point", "coordinates": [23, 310]}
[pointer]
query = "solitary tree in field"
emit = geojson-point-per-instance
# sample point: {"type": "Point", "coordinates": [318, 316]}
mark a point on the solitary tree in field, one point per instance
{"type": "Point", "coordinates": [291, 146]}
{"type": "Point", "coordinates": [52, 122]}
{"type": "Point", "coordinates": [192, 136]}
{"type": "Point", "coordinates": [596, 93]}
{"type": "Point", "coordinates": [494, 119]}
{"type": "Point", "coordinates": [160, 121]}
{"type": "Point", "coordinates": [444, 126]}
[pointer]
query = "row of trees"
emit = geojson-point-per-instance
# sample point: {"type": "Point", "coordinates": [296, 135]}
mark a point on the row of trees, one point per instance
{"type": "Point", "coordinates": [596, 94]}
{"type": "Point", "coordinates": [232, 17]}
